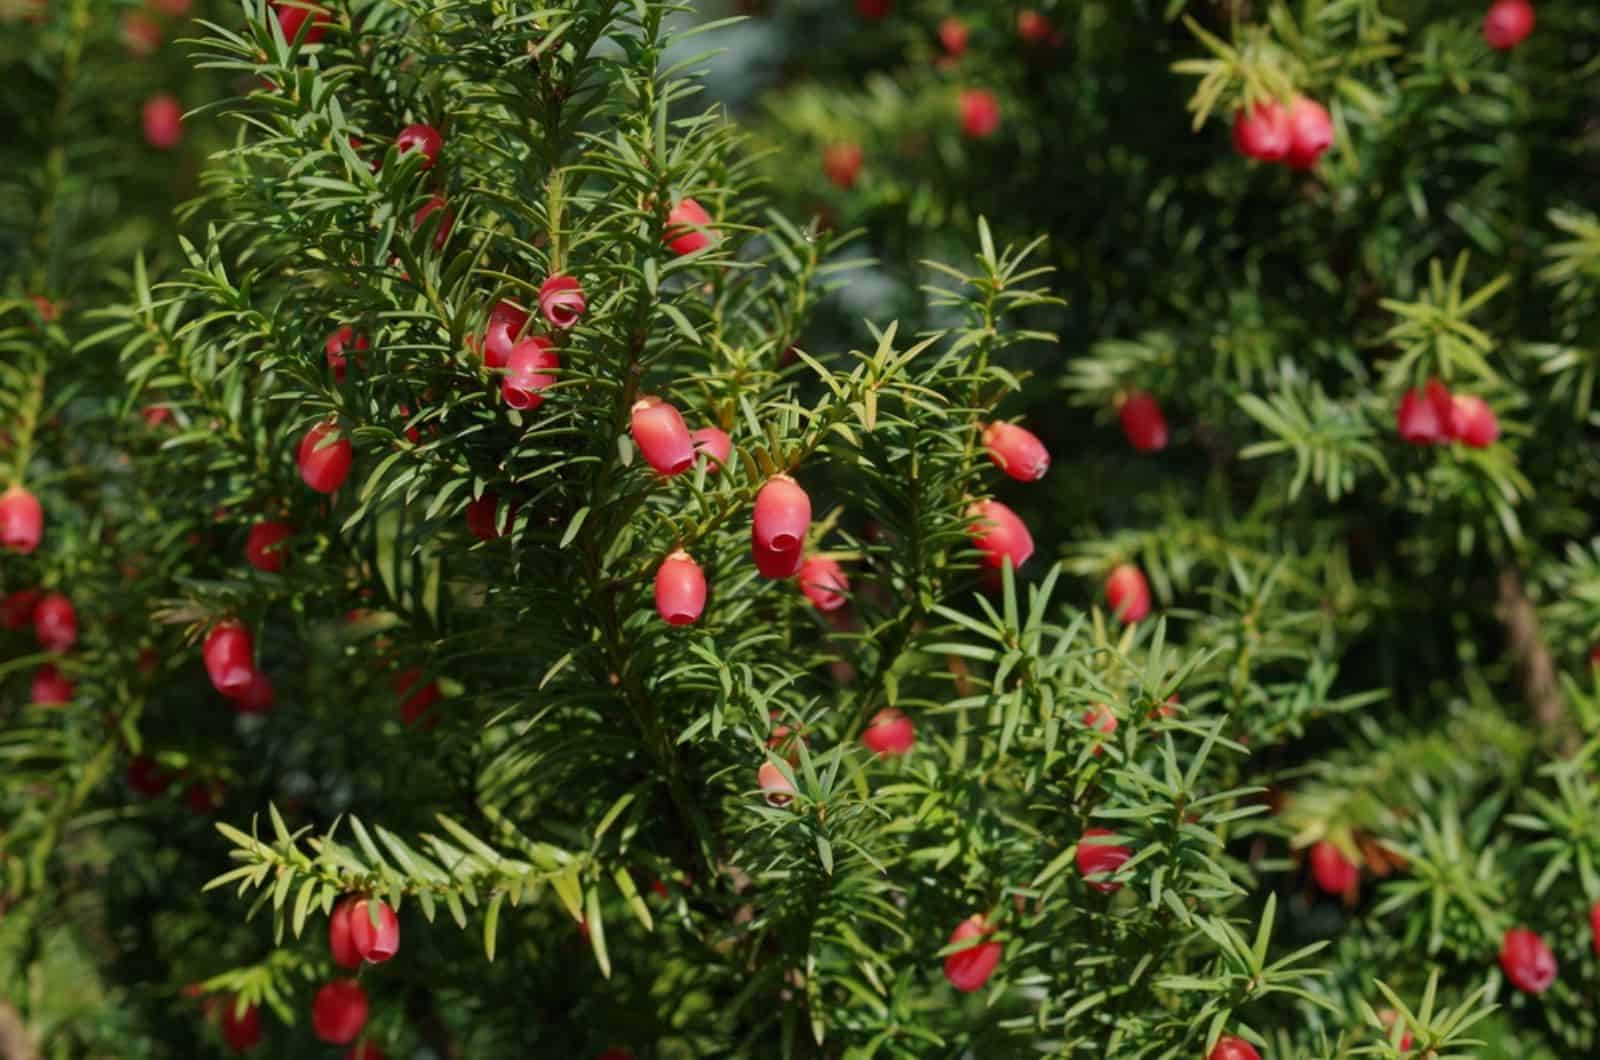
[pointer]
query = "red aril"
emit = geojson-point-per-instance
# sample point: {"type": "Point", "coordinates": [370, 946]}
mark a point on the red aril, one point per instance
{"type": "Point", "coordinates": [1230, 1048]}
{"type": "Point", "coordinates": [325, 457]}
{"type": "Point", "coordinates": [263, 548]}
{"type": "Point", "coordinates": [1262, 131]}
{"type": "Point", "coordinates": [51, 687]}
{"type": "Point", "coordinates": [1128, 593]}
{"type": "Point", "coordinates": [662, 436]}
{"type": "Point", "coordinates": [999, 535]}
{"type": "Point", "coordinates": [528, 372]}
{"type": "Point", "coordinates": [782, 515]}
{"type": "Point", "coordinates": [1507, 23]}
{"type": "Point", "coordinates": [841, 164]}
{"type": "Point", "coordinates": [423, 138]}
{"type": "Point", "coordinates": [680, 589]}
{"type": "Point", "coordinates": [1097, 859]}
{"type": "Point", "coordinates": [1310, 132]}
{"type": "Point", "coordinates": [229, 654]}
{"type": "Point", "coordinates": [1017, 451]}
{"type": "Point", "coordinates": [55, 623]}
{"type": "Point", "coordinates": [500, 337]}
{"type": "Point", "coordinates": [1527, 961]}
{"type": "Point", "coordinates": [980, 113]}
{"type": "Point", "coordinates": [561, 300]}
{"type": "Point", "coordinates": [339, 1011]}
{"type": "Point", "coordinates": [889, 732]}
{"type": "Point", "coordinates": [21, 520]}
{"type": "Point", "coordinates": [714, 444]}
{"type": "Point", "coordinates": [775, 787]}
{"type": "Point", "coordinates": [824, 583]}
{"type": "Point", "coordinates": [1334, 873]}
{"type": "Point", "coordinates": [1142, 422]}
{"type": "Point", "coordinates": [967, 970]}
{"type": "Point", "coordinates": [1472, 421]}
{"type": "Point", "coordinates": [688, 228]}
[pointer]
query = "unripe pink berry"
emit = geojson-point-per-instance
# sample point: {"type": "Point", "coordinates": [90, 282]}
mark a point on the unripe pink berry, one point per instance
{"type": "Point", "coordinates": [1017, 451]}
{"type": "Point", "coordinates": [335, 346]}
{"type": "Point", "coordinates": [824, 583]}
{"type": "Point", "coordinates": [339, 1011]}
{"type": "Point", "coordinates": [325, 457]}
{"type": "Point", "coordinates": [1262, 131]}
{"type": "Point", "coordinates": [21, 520]}
{"type": "Point", "coordinates": [241, 1030]}
{"type": "Point", "coordinates": [714, 444]}
{"type": "Point", "coordinates": [424, 138]}
{"type": "Point", "coordinates": [528, 372]}
{"type": "Point", "coordinates": [51, 687]}
{"type": "Point", "coordinates": [967, 970]}
{"type": "Point", "coordinates": [999, 535]}
{"type": "Point", "coordinates": [1128, 593]}
{"type": "Point", "coordinates": [292, 17]}
{"type": "Point", "coordinates": [230, 657]}
{"type": "Point", "coordinates": [680, 589]}
{"type": "Point", "coordinates": [1472, 421]}
{"type": "Point", "coordinates": [1508, 23]}
{"type": "Point", "coordinates": [162, 118]}
{"type": "Point", "coordinates": [1097, 859]}
{"type": "Point", "coordinates": [1527, 961]}
{"type": "Point", "coordinates": [375, 942]}
{"type": "Point", "coordinates": [688, 228]}
{"type": "Point", "coordinates": [775, 787]}
{"type": "Point", "coordinates": [561, 300]}
{"type": "Point", "coordinates": [263, 548]}
{"type": "Point", "coordinates": [1424, 416]}
{"type": "Point", "coordinates": [506, 322]}
{"type": "Point", "coordinates": [980, 113]}
{"type": "Point", "coordinates": [1230, 1048]}
{"type": "Point", "coordinates": [1334, 873]}
{"type": "Point", "coordinates": [889, 732]}
{"type": "Point", "coordinates": [1142, 422]}
{"type": "Point", "coordinates": [662, 436]}
{"type": "Point", "coordinates": [1310, 132]}
{"type": "Point", "coordinates": [782, 515]}
{"type": "Point", "coordinates": [55, 623]}
{"type": "Point", "coordinates": [841, 163]}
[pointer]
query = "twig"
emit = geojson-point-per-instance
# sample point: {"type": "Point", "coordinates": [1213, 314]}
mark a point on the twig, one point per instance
{"type": "Point", "coordinates": [1525, 641]}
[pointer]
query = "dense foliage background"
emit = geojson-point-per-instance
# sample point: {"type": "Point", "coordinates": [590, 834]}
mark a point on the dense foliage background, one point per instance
{"type": "Point", "coordinates": [1303, 614]}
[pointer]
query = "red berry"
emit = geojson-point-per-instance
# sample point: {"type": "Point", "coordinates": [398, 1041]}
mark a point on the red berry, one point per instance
{"type": "Point", "coordinates": [714, 444]}
{"type": "Point", "coordinates": [980, 113]}
{"type": "Point", "coordinates": [889, 733]}
{"type": "Point", "coordinates": [1310, 132]}
{"type": "Point", "coordinates": [953, 36]}
{"type": "Point", "coordinates": [1032, 27]}
{"type": "Point", "coordinates": [1334, 872]}
{"type": "Point", "coordinates": [203, 796]}
{"type": "Point", "coordinates": [1262, 132]}
{"type": "Point", "coordinates": [374, 929]}
{"type": "Point", "coordinates": [364, 1051]}
{"type": "Point", "coordinates": [339, 1011]}
{"type": "Point", "coordinates": [1594, 927]}
{"type": "Point", "coordinates": [446, 223]}
{"type": "Point", "coordinates": [777, 563]}
{"type": "Point", "coordinates": [16, 610]}
{"type": "Point", "coordinates": [1230, 1048]}
{"type": "Point", "coordinates": [680, 589]}
{"type": "Point", "coordinates": [782, 515]}
{"type": "Point", "coordinates": [335, 349]}
{"type": "Point", "coordinates": [241, 1030]}
{"type": "Point", "coordinates": [775, 787]}
{"type": "Point", "coordinates": [55, 623]}
{"type": "Point", "coordinates": [1387, 1017]}
{"type": "Point", "coordinates": [841, 163]}
{"type": "Point", "coordinates": [263, 548]}
{"type": "Point", "coordinates": [1097, 858]}
{"type": "Point", "coordinates": [21, 520]}
{"type": "Point", "coordinates": [1128, 593]}
{"type": "Point", "coordinates": [258, 696]}
{"type": "Point", "coordinates": [325, 457]}
{"type": "Point", "coordinates": [1508, 23]}
{"type": "Point", "coordinates": [140, 34]}
{"type": "Point", "coordinates": [424, 138]}
{"type": "Point", "coordinates": [967, 970]}
{"type": "Point", "coordinates": [506, 322]}
{"type": "Point", "coordinates": [999, 535]}
{"type": "Point", "coordinates": [291, 18]}
{"type": "Point", "coordinates": [162, 117]}
{"type": "Point", "coordinates": [51, 688]}
{"type": "Point", "coordinates": [874, 10]}
{"type": "Point", "coordinates": [561, 300]}
{"type": "Point", "coordinates": [229, 654]}
{"type": "Point", "coordinates": [688, 228]}
{"type": "Point", "coordinates": [481, 517]}
{"type": "Point", "coordinates": [528, 372]}
{"type": "Point", "coordinates": [1017, 451]}
{"type": "Point", "coordinates": [146, 777]}
{"type": "Point", "coordinates": [417, 698]}
{"type": "Point", "coordinates": [1528, 962]}
{"type": "Point", "coordinates": [824, 583]}
{"type": "Point", "coordinates": [1142, 422]}
{"type": "Point", "coordinates": [340, 944]}
{"type": "Point", "coordinates": [1472, 421]}
{"type": "Point", "coordinates": [662, 436]}
{"type": "Point", "coordinates": [1424, 416]}
{"type": "Point", "coordinates": [1100, 718]}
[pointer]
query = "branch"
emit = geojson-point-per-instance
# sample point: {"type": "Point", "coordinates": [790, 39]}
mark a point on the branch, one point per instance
{"type": "Point", "coordinates": [15, 1042]}
{"type": "Point", "coordinates": [1525, 641]}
